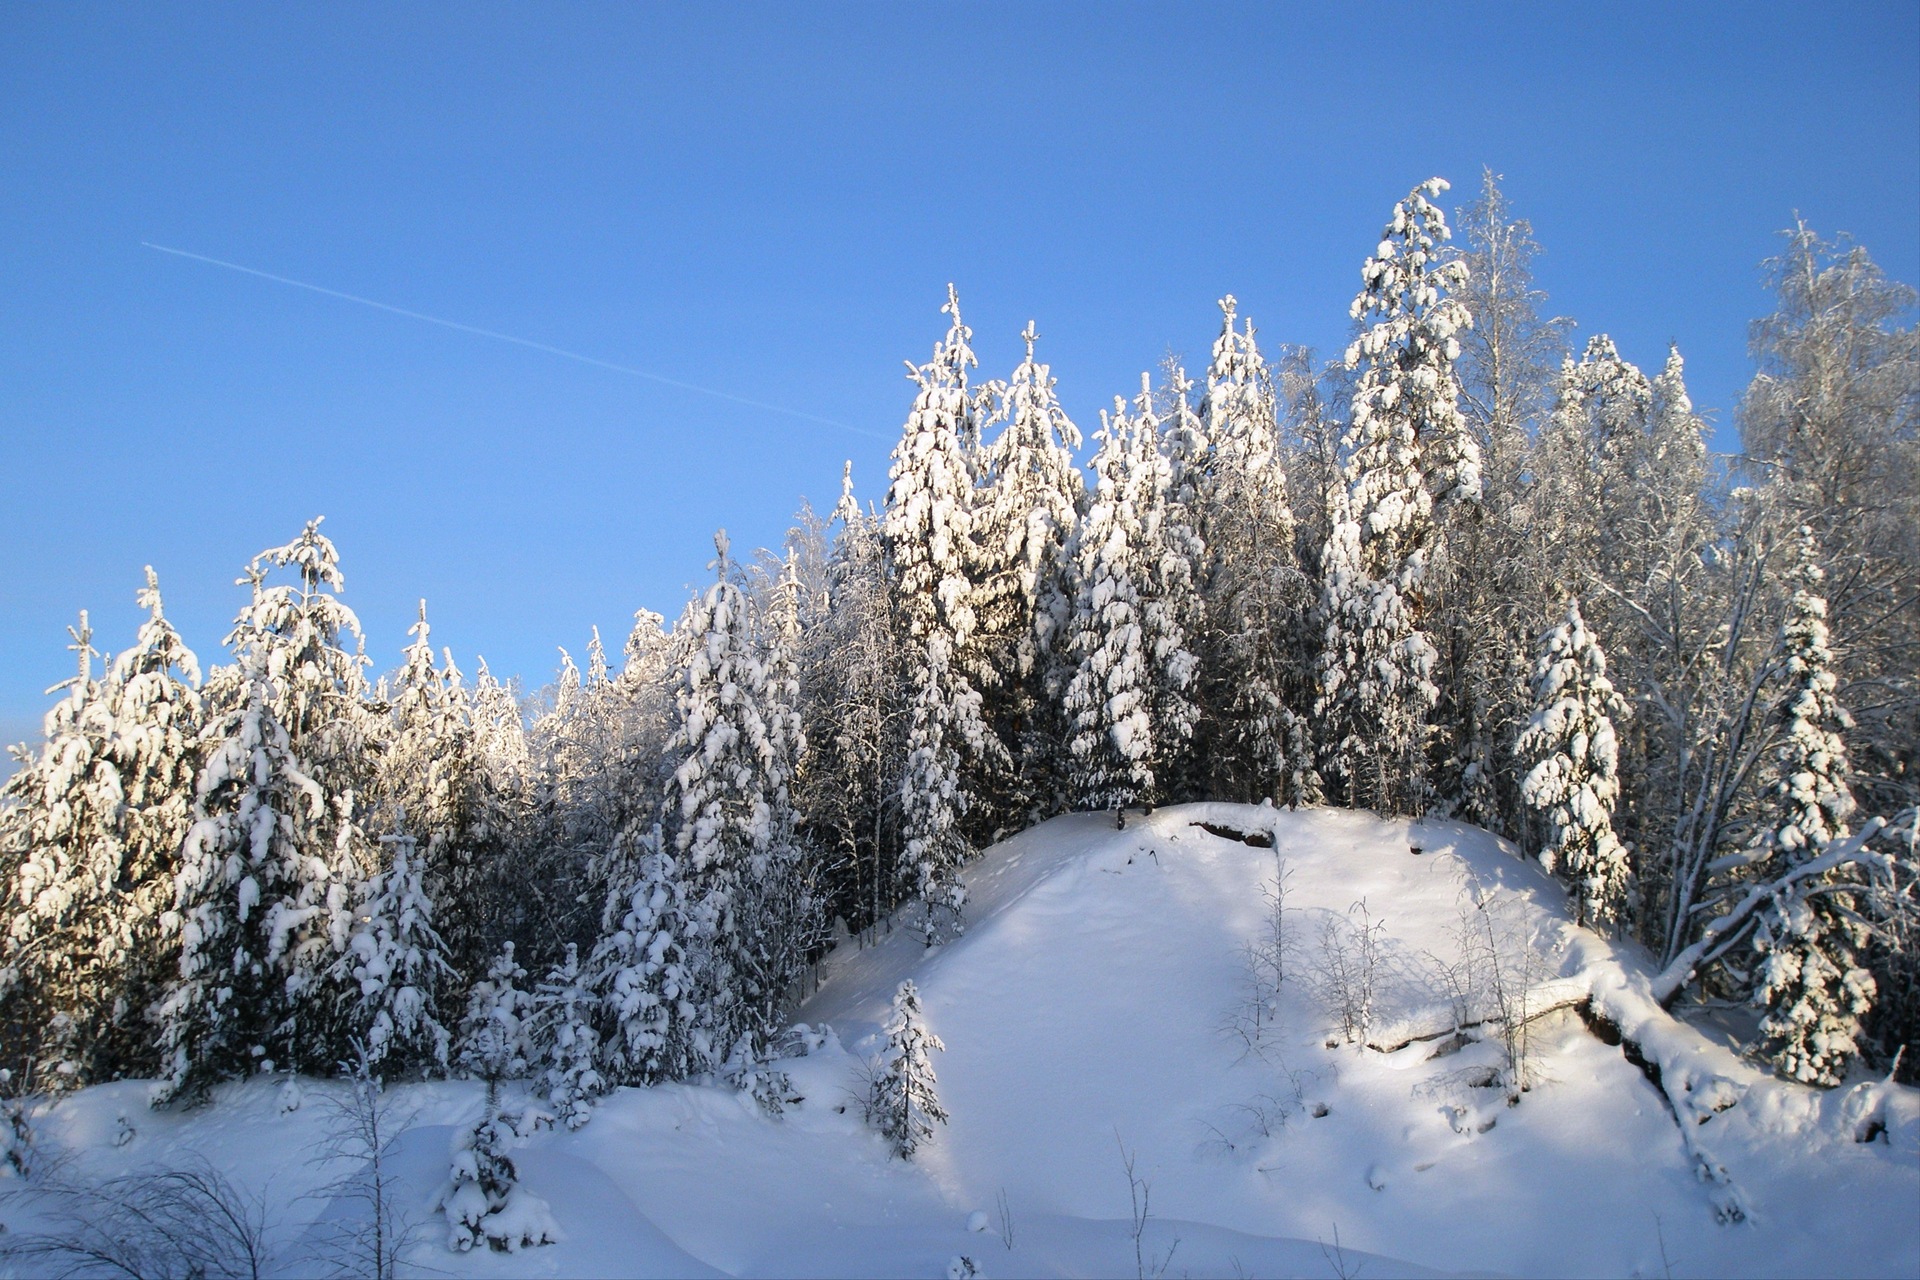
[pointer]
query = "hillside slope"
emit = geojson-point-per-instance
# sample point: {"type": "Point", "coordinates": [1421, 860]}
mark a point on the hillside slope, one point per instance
{"type": "Point", "coordinates": [1098, 1007]}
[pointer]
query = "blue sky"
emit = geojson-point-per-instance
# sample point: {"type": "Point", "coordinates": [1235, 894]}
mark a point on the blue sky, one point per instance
{"type": "Point", "coordinates": [769, 202]}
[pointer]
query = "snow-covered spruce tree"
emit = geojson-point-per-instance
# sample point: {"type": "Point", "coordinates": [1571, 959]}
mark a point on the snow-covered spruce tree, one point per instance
{"type": "Point", "coordinates": [1406, 449]}
{"type": "Point", "coordinates": [483, 1200]}
{"type": "Point", "coordinates": [1250, 634]}
{"type": "Point", "coordinates": [565, 1042]}
{"type": "Point", "coordinates": [856, 712]}
{"type": "Point", "coordinates": [1129, 712]}
{"type": "Point", "coordinates": [742, 906]}
{"type": "Point", "coordinates": [154, 703]}
{"type": "Point", "coordinates": [1811, 983]}
{"type": "Point", "coordinates": [435, 781]}
{"type": "Point", "coordinates": [1025, 516]}
{"type": "Point", "coordinates": [395, 966]}
{"type": "Point", "coordinates": [493, 1043]}
{"type": "Point", "coordinates": [1108, 701]}
{"type": "Point", "coordinates": [63, 818]}
{"type": "Point", "coordinates": [1572, 780]}
{"type": "Point", "coordinates": [928, 531]}
{"type": "Point", "coordinates": [903, 1105]}
{"type": "Point", "coordinates": [639, 970]}
{"type": "Point", "coordinates": [779, 915]}
{"type": "Point", "coordinates": [263, 895]}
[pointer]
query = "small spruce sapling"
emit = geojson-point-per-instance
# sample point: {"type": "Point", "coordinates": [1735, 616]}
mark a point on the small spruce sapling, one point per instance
{"type": "Point", "coordinates": [482, 1199]}
{"type": "Point", "coordinates": [902, 1103]}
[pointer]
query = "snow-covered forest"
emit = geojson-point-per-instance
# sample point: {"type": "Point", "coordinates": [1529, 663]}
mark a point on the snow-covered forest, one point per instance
{"type": "Point", "coordinates": [1478, 568]}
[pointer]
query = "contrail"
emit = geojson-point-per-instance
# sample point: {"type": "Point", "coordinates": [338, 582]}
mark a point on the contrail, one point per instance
{"type": "Point", "coordinates": [518, 342]}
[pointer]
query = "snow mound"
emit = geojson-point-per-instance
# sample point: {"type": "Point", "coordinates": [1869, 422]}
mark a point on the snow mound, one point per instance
{"type": "Point", "coordinates": [1135, 1087]}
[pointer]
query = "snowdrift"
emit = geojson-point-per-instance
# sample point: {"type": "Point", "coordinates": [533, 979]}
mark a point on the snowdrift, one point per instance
{"type": "Point", "coordinates": [1114, 999]}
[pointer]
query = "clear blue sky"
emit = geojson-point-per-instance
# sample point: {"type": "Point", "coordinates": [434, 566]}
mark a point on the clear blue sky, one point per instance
{"type": "Point", "coordinates": [769, 201]}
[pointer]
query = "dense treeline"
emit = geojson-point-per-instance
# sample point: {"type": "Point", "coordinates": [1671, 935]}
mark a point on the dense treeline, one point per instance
{"type": "Point", "coordinates": [1462, 571]}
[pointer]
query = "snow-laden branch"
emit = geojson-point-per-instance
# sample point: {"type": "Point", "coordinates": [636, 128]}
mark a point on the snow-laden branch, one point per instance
{"type": "Point", "coordinates": [1725, 931]}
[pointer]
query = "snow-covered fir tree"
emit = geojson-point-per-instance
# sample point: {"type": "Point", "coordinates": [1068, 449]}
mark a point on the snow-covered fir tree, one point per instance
{"type": "Point", "coordinates": [264, 893]}
{"type": "Point", "coordinates": [154, 704]}
{"type": "Point", "coordinates": [741, 907]}
{"type": "Point", "coordinates": [64, 828]}
{"type": "Point", "coordinates": [639, 970]}
{"type": "Point", "coordinates": [903, 1105]}
{"type": "Point", "coordinates": [1249, 635]}
{"type": "Point", "coordinates": [494, 1041]}
{"type": "Point", "coordinates": [435, 780]}
{"type": "Point", "coordinates": [565, 1042]}
{"type": "Point", "coordinates": [1406, 449]}
{"type": "Point", "coordinates": [1024, 519]}
{"type": "Point", "coordinates": [1129, 709]}
{"type": "Point", "coordinates": [1573, 780]}
{"type": "Point", "coordinates": [482, 1199]}
{"type": "Point", "coordinates": [395, 966]}
{"type": "Point", "coordinates": [1815, 991]}
{"type": "Point", "coordinates": [928, 530]}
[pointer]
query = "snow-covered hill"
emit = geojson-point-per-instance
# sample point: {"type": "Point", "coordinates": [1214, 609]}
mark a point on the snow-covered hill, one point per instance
{"type": "Point", "coordinates": [1101, 1008]}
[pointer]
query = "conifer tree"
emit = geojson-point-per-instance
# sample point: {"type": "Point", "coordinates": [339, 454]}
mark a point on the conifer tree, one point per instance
{"type": "Point", "coordinates": [1128, 705]}
{"type": "Point", "coordinates": [482, 1198]}
{"type": "Point", "coordinates": [494, 1042]}
{"type": "Point", "coordinates": [639, 970]}
{"type": "Point", "coordinates": [1814, 989]}
{"type": "Point", "coordinates": [395, 966]}
{"type": "Point", "coordinates": [1028, 506]}
{"type": "Point", "coordinates": [1406, 449]}
{"type": "Point", "coordinates": [1256, 598]}
{"type": "Point", "coordinates": [264, 894]}
{"type": "Point", "coordinates": [903, 1104]}
{"type": "Point", "coordinates": [435, 781]}
{"type": "Point", "coordinates": [157, 712]}
{"type": "Point", "coordinates": [565, 1041]}
{"type": "Point", "coordinates": [733, 841]}
{"type": "Point", "coordinates": [65, 815]}
{"type": "Point", "coordinates": [226, 1010]}
{"type": "Point", "coordinates": [928, 534]}
{"type": "Point", "coordinates": [1573, 779]}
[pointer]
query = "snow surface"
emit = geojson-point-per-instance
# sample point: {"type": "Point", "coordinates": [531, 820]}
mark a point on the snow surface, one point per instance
{"type": "Point", "coordinates": [1089, 1008]}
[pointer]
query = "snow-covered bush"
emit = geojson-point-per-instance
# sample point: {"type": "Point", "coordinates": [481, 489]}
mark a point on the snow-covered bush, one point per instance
{"type": "Point", "coordinates": [1347, 969]}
